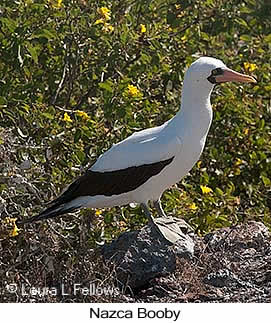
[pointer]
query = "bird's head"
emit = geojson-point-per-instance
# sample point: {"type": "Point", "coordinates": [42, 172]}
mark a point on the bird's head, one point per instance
{"type": "Point", "coordinates": [207, 71]}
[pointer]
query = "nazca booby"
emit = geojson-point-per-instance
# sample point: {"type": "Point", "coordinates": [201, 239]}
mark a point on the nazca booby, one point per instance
{"type": "Point", "coordinates": [141, 167]}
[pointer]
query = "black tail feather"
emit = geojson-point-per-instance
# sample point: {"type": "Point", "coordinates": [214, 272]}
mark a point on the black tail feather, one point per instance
{"type": "Point", "coordinates": [51, 212]}
{"type": "Point", "coordinates": [58, 206]}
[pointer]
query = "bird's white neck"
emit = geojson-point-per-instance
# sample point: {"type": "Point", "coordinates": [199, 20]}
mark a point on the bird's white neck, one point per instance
{"type": "Point", "coordinates": [195, 115]}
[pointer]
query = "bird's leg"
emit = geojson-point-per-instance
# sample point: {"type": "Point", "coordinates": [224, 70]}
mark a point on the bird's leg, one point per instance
{"type": "Point", "coordinates": [147, 212]}
{"type": "Point", "coordinates": [159, 209]}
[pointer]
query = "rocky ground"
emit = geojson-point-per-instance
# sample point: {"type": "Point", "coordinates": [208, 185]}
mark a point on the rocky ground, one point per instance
{"type": "Point", "coordinates": [54, 261]}
{"type": "Point", "coordinates": [229, 265]}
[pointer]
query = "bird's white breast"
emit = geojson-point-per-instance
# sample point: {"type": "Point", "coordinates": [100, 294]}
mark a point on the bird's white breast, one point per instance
{"type": "Point", "coordinates": [182, 163]}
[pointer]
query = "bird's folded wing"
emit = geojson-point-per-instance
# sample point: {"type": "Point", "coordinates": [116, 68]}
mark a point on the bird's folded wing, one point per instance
{"type": "Point", "coordinates": [144, 151]}
{"type": "Point", "coordinates": [123, 168]}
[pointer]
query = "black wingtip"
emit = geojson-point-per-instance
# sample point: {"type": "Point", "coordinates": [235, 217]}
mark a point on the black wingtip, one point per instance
{"type": "Point", "coordinates": [38, 217]}
{"type": "Point", "coordinates": [51, 212]}
{"type": "Point", "coordinates": [42, 216]}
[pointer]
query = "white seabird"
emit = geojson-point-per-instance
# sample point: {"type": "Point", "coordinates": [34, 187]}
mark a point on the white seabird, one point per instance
{"type": "Point", "coordinates": [140, 168]}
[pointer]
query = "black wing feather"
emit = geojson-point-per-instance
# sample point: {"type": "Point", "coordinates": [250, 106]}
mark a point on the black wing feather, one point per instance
{"type": "Point", "coordinates": [102, 183]}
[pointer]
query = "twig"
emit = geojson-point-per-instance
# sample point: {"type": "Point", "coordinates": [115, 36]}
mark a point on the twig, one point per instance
{"type": "Point", "coordinates": [60, 84]}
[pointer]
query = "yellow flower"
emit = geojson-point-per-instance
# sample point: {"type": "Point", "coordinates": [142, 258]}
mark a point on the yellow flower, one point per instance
{"type": "Point", "coordinates": [142, 28]}
{"type": "Point", "coordinates": [177, 6]}
{"type": "Point", "coordinates": [199, 163]}
{"type": "Point", "coordinates": [193, 206]}
{"type": "Point", "coordinates": [11, 222]}
{"type": "Point", "coordinates": [7, 220]}
{"type": "Point", "coordinates": [237, 171]}
{"type": "Point", "coordinates": [56, 4]}
{"type": "Point", "coordinates": [82, 114]}
{"type": "Point", "coordinates": [105, 16]}
{"type": "Point", "coordinates": [67, 118]}
{"type": "Point", "coordinates": [15, 231]}
{"type": "Point", "coordinates": [184, 38]}
{"type": "Point", "coordinates": [99, 21]}
{"type": "Point", "coordinates": [238, 162]}
{"type": "Point", "coordinates": [205, 189]}
{"type": "Point", "coordinates": [98, 212]}
{"type": "Point", "coordinates": [133, 91]}
{"type": "Point", "coordinates": [105, 13]}
{"type": "Point", "coordinates": [246, 131]}
{"type": "Point", "coordinates": [250, 67]}
{"type": "Point", "coordinates": [108, 28]}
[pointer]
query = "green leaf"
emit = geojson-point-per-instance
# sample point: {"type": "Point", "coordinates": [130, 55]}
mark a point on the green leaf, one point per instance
{"type": "Point", "coordinates": [266, 180]}
{"type": "Point", "coordinates": [241, 22]}
{"type": "Point", "coordinates": [3, 101]}
{"type": "Point", "coordinates": [81, 155]}
{"type": "Point", "coordinates": [267, 39]}
{"type": "Point", "coordinates": [44, 33]}
{"type": "Point", "coordinates": [219, 191]}
{"type": "Point", "coordinates": [47, 115]}
{"type": "Point", "coordinates": [33, 52]}
{"type": "Point", "coordinates": [246, 38]}
{"type": "Point", "coordinates": [246, 10]}
{"type": "Point", "coordinates": [77, 135]}
{"type": "Point", "coordinates": [108, 86]}
{"type": "Point", "coordinates": [9, 23]}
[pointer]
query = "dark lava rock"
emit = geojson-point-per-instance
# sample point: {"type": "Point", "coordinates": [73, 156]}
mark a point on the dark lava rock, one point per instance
{"type": "Point", "coordinates": [139, 256]}
{"type": "Point", "coordinates": [227, 265]}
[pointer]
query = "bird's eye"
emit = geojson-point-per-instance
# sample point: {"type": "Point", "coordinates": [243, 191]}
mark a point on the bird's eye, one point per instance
{"type": "Point", "coordinates": [217, 71]}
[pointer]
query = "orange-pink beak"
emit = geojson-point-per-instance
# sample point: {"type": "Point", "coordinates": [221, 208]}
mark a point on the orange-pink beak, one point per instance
{"type": "Point", "coordinates": [232, 76]}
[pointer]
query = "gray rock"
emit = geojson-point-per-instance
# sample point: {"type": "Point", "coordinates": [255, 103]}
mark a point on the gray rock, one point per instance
{"type": "Point", "coordinates": [251, 235]}
{"type": "Point", "coordinates": [139, 256]}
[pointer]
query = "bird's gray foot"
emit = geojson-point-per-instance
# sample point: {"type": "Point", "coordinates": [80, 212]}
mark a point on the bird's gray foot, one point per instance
{"type": "Point", "coordinates": [166, 226]}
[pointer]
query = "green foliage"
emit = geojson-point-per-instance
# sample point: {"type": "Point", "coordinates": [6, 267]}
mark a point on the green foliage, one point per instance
{"type": "Point", "coordinates": [56, 60]}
